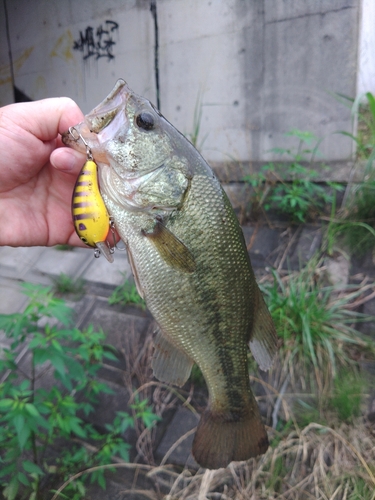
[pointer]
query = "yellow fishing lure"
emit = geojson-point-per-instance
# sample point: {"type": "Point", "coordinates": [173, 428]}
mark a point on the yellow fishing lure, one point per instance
{"type": "Point", "coordinates": [90, 216]}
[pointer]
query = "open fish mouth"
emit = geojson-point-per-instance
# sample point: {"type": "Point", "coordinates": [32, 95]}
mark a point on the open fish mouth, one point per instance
{"type": "Point", "coordinates": [102, 122]}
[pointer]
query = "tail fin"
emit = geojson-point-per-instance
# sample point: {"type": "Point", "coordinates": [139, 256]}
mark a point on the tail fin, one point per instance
{"type": "Point", "coordinates": [223, 438]}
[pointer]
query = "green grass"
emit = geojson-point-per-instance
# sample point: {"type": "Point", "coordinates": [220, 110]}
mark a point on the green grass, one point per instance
{"type": "Point", "coordinates": [64, 284]}
{"type": "Point", "coordinates": [347, 395]}
{"type": "Point", "coordinates": [362, 111]}
{"type": "Point", "coordinates": [126, 294]}
{"type": "Point", "coordinates": [291, 187]}
{"type": "Point", "coordinates": [357, 227]}
{"type": "Point", "coordinates": [314, 323]}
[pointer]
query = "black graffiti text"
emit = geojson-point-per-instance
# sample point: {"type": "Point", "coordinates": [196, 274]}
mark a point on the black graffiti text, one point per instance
{"type": "Point", "coordinates": [97, 43]}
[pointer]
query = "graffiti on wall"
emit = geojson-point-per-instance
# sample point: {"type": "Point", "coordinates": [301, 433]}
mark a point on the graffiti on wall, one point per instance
{"type": "Point", "coordinates": [97, 43]}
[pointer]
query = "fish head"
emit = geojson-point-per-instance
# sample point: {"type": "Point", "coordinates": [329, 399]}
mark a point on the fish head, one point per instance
{"type": "Point", "coordinates": [144, 151]}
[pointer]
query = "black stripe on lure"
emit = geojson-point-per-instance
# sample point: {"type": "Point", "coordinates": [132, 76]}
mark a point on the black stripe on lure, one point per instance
{"type": "Point", "coordinates": [90, 216]}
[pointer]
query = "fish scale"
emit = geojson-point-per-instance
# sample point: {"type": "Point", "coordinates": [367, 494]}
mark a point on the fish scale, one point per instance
{"type": "Point", "coordinates": [190, 264]}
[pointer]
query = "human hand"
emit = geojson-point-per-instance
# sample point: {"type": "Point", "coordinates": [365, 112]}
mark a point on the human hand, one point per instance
{"type": "Point", "coordinates": [37, 175]}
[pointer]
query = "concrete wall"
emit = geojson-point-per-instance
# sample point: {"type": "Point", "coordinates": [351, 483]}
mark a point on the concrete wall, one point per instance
{"type": "Point", "coordinates": [366, 59]}
{"type": "Point", "coordinates": [258, 67]}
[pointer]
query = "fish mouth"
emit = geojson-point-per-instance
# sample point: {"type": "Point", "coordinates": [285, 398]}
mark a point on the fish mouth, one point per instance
{"type": "Point", "coordinates": [97, 126]}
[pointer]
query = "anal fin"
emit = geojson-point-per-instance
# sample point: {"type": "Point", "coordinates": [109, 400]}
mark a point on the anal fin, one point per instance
{"type": "Point", "coordinates": [263, 342]}
{"type": "Point", "coordinates": [169, 363]}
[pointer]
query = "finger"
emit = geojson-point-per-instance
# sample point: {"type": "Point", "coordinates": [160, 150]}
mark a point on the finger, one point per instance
{"type": "Point", "coordinates": [67, 160]}
{"type": "Point", "coordinates": [46, 118]}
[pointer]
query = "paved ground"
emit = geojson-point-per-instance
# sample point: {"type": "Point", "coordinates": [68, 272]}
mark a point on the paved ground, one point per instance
{"type": "Point", "coordinates": [130, 330]}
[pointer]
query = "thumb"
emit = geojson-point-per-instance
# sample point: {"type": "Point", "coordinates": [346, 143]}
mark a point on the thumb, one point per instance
{"type": "Point", "coordinates": [67, 160]}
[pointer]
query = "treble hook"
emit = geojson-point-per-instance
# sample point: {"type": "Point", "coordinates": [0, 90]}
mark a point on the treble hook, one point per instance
{"type": "Point", "coordinates": [113, 231]}
{"type": "Point", "coordinates": [76, 139]}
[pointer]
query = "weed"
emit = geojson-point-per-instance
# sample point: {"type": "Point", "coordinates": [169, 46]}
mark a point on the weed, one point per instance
{"type": "Point", "coordinates": [196, 376]}
{"type": "Point", "coordinates": [64, 248]}
{"type": "Point", "coordinates": [64, 284]}
{"type": "Point", "coordinates": [356, 225]}
{"type": "Point", "coordinates": [34, 419]}
{"type": "Point", "coordinates": [126, 294]}
{"type": "Point", "coordinates": [276, 473]}
{"type": "Point", "coordinates": [364, 113]}
{"type": "Point", "coordinates": [307, 412]}
{"type": "Point", "coordinates": [197, 120]}
{"type": "Point", "coordinates": [314, 323]}
{"type": "Point", "coordinates": [347, 395]}
{"type": "Point", "coordinates": [291, 187]}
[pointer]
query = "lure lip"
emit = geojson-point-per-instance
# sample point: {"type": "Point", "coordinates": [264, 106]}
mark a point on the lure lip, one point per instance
{"type": "Point", "coordinates": [105, 249]}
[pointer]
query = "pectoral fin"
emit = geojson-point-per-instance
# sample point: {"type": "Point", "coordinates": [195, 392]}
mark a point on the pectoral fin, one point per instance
{"type": "Point", "coordinates": [171, 249]}
{"type": "Point", "coordinates": [263, 342]}
{"type": "Point", "coordinates": [169, 363]}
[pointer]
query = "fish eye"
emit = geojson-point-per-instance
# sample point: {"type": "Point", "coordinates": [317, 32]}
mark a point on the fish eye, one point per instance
{"type": "Point", "coordinates": [145, 120]}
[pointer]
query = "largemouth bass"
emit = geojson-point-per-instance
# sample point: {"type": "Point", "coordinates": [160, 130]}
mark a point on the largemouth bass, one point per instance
{"type": "Point", "coordinates": [190, 264]}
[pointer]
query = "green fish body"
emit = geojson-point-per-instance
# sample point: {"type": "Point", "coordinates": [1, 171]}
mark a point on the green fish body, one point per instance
{"type": "Point", "coordinates": [190, 264]}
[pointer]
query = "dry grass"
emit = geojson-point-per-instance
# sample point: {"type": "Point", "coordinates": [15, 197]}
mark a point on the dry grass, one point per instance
{"type": "Point", "coordinates": [316, 462]}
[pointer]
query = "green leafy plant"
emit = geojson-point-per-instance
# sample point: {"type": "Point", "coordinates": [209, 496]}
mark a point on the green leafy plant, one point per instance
{"type": "Point", "coordinates": [126, 294]}
{"type": "Point", "coordinates": [315, 324]}
{"type": "Point", "coordinates": [34, 418]}
{"type": "Point", "coordinates": [290, 187]}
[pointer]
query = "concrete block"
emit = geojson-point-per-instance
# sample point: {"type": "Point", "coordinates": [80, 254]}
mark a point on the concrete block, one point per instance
{"type": "Point", "coordinates": [281, 11]}
{"type": "Point", "coordinates": [16, 262]}
{"type": "Point", "coordinates": [182, 422]}
{"type": "Point", "coordinates": [265, 242]}
{"type": "Point", "coordinates": [368, 327]}
{"type": "Point", "coordinates": [115, 273]}
{"type": "Point", "coordinates": [12, 299]}
{"type": "Point", "coordinates": [6, 87]}
{"type": "Point", "coordinates": [54, 262]}
{"type": "Point", "coordinates": [363, 264]}
{"type": "Point", "coordinates": [239, 195]}
{"type": "Point", "coordinates": [337, 271]}
{"type": "Point", "coordinates": [308, 243]}
{"type": "Point", "coordinates": [300, 76]}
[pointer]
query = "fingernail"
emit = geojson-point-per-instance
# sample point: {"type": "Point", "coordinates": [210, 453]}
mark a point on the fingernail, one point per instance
{"type": "Point", "coordinates": [69, 160]}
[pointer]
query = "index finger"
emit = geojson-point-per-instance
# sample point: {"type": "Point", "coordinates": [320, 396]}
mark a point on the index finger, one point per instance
{"type": "Point", "coordinates": [46, 118]}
